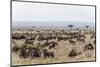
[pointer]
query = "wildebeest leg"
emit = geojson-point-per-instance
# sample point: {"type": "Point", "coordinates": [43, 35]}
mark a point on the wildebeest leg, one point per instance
{"type": "Point", "coordinates": [45, 56]}
{"type": "Point", "coordinates": [52, 55]}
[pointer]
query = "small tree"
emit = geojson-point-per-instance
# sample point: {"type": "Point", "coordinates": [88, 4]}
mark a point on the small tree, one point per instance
{"type": "Point", "coordinates": [86, 26]}
{"type": "Point", "coordinates": [70, 26]}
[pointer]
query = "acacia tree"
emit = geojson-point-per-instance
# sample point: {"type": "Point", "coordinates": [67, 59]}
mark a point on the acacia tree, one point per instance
{"type": "Point", "coordinates": [86, 26]}
{"type": "Point", "coordinates": [70, 26]}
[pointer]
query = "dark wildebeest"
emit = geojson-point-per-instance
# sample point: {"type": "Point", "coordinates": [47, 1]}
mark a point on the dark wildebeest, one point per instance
{"type": "Point", "coordinates": [52, 44]}
{"type": "Point", "coordinates": [73, 53]}
{"type": "Point", "coordinates": [72, 42]}
{"type": "Point", "coordinates": [88, 47]}
{"type": "Point", "coordinates": [46, 43]}
{"type": "Point", "coordinates": [47, 53]}
{"type": "Point", "coordinates": [30, 36]}
{"type": "Point", "coordinates": [93, 36]}
{"type": "Point", "coordinates": [24, 52]}
{"type": "Point", "coordinates": [15, 48]}
{"type": "Point", "coordinates": [41, 37]}
{"type": "Point", "coordinates": [18, 36]}
{"type": "Point", "coordinates": [28, 41]}
{"type": "Point", "coordinates": [34, 52]}
{"type": "Point", "coordinates": [81, 40]}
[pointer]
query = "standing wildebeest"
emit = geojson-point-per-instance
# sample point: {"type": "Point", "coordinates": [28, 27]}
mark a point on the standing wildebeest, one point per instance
{"type": "Point", "coordinates": [52, 44]}
{"type": "Point", "coordinates": [15, 48]}
{"type": "Point", "coordinates": [46, 43]}
{"type": "Point", "coordinates": [73, 53]}
{"type": "Point", "coordinates": [28, 41]}
{"type": "Point", "coordinates": [24, 52]}
{"type": "Point", "coordinates": [93, 36]}
{"type": "Point", "coordinates": [47, 53]}
{"type": "Point", "coordinates": [81, 40]}
{"type": "Point", "coordinates": [17, 36]}
{"type": "Point", "coordinates": [71, 41]}
{"type": "Point", "coordinates": [88, 47]}
{"type": "Point", "coordinates": [34, 52]}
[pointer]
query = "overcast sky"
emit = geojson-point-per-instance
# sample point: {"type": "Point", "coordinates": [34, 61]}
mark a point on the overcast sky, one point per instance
{"type": "Point", "coordinates": [24, 13]}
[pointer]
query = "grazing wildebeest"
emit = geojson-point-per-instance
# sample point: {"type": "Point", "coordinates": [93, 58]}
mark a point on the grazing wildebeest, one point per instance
{"type": "Point", "coordinates": [72, 42]}
{"type": "Point", "coordinates": [46, 43]}
{"type": "Point", "coordinates": [29, 41]}
{"type": "Point", "coordinates": [93, 36]}
{"type": "Point", "coordinates": [88, 47]}
{"type": "Point", "coordinates": [30, 37]}
{"type": "Point", "coordinates": [24, 52]}
{"type": "Point", "coordinates": [81, 40]}
{"type": "Point", "coordinates": [18, 36]}
{"type": "Point", "coordinates": [73, 53]}
{"type": "Point", "coordinates": [52, 44]}
{"type": "Point", "coordinates": [42, 37]}
{"type": "Point", "coordinates": [15, 48]}
{"type": "Point", "coordinates": [62, 37]}
{"type": "Point", "coordinates": [34, 52]}
{"type": "Point", "coordinates": [47, 53]}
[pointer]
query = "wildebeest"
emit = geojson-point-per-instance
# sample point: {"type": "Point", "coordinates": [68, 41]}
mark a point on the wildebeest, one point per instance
{"type": "Point", "coordinates": [18, 36]}
{"type": "Point", "coordinates": [15, 48]}
{"type": "Point", "coordinates": [45, 43]}
{"type": "Point", "coordinates": [30, 37]}
{"type": "Point", "coordinates": [73, 53]}
{"type": "Point", "coordinates": [88, 47]}
{"type": "Point", "coordinates": [93, 36]}
{"type": "Point", "coordinates": [24, 52]}
{"type": "Point", "coordinates": [52, 44]}
{"type": "Point", "coordinates": [81, 40]}
{"type": "Point", "coordinates": [34, 52]}
{"type": "Point", "coordinates": [72, 41]}
{"type": "Point", "coordinates": [47, 53]}
{"type": "Point", "coordinates": [27, 41]}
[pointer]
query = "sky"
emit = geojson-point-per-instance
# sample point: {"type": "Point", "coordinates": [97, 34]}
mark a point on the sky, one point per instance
{"type": "Point", "coordinates": [39, 14]}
